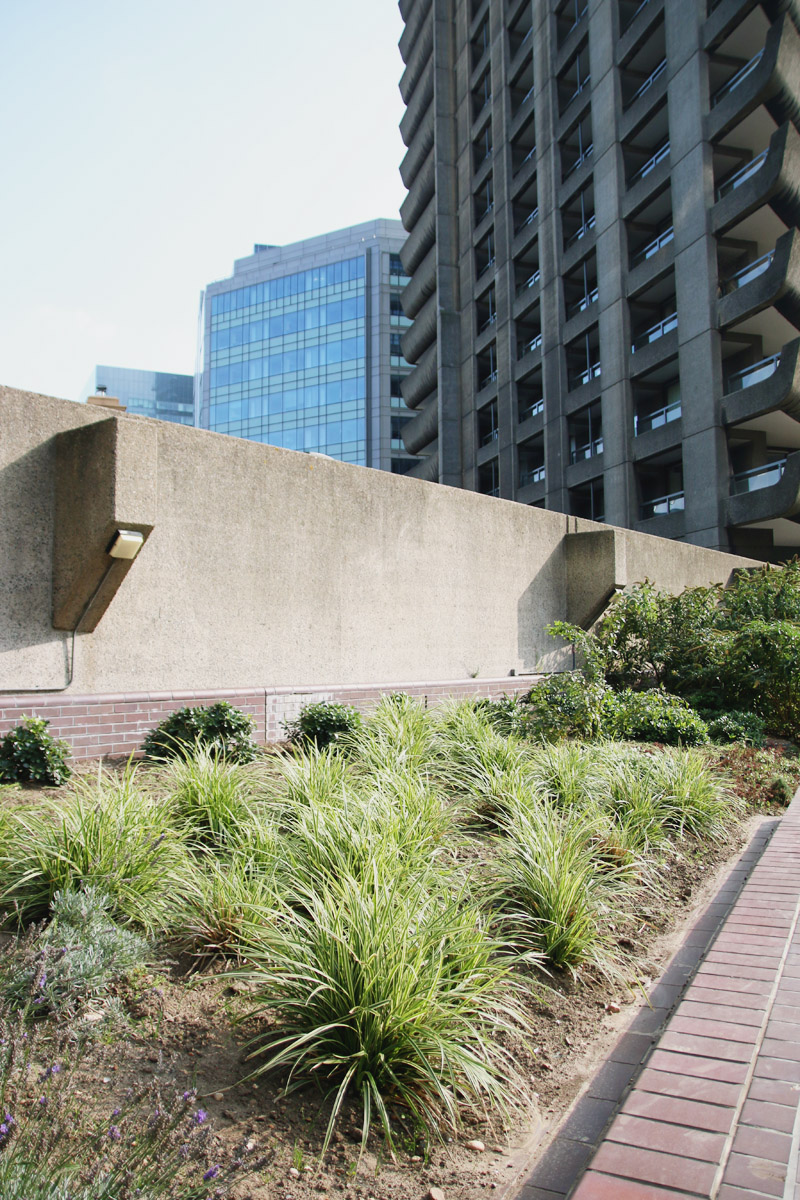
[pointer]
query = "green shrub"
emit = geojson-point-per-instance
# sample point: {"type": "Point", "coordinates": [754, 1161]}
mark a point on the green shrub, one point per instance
{"type": "Point", "coordinates": [780, 790]}
{"type": "Point", "coordinates": [29, 754]}
{"type": "Point", "coordinates": [652, 716]}
{"type": "Point", "coordinates": [322, 723]}
{"type": "Point", "coordinates": [762, 673]}
{"type": "Point", "coordinates": [75, 957]}
{"type": "Point", "coordinates": [766, 594]}
{"type": "Point", "coordinates": [219, 727]}
{"type": "Point", "coordinates": [564, 706]}
{"type": "Point", "coordinates": [736, 726]}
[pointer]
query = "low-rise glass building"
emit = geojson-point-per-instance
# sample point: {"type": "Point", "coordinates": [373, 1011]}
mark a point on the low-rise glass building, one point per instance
{"type": "Point", "coordinates": [146, 393]}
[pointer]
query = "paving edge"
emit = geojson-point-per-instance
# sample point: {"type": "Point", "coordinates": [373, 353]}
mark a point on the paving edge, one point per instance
{"type": "Point", "coordinates": [556, 1174]}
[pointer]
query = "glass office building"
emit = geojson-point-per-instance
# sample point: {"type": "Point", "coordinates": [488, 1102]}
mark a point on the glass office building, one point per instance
{"type": "Point", "coordinates": [146, 393]}
{"type": "Point", "coordinates": [300, 348]}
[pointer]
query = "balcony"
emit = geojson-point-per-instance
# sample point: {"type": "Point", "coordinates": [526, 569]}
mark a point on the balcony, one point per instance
{"type": "Point", "coordinates": [581, 305]}
{"type": "Point", "coordinates": [579, 378]}
{"type": "Point", "coordinates": [650, 165]}
{"type": "Point", "coordinates": [768, 178]}
{"type": "Point", "coordinates": [662, 506]}
{"type": "Point", "coordinates": [583, 157]}
{"type": "Point", "coordinates": [739, 278]}
{"type": "Point", "coordinates": [774, 389]}
{"type": "Point", "coordinates": [741, 176]}
{"type": "Point", "coordinates": [769, 78]}
{"type": "Point", "coordinates": [753, 374]}
{"type": "Point", "coordinates": [657, 418]}
{"type": "Point", "coordinates": [655, 332]}
{"type": "Point", "coordinates": [589, 450]}
{"type": "Point", "coordinates": [528, 347]}
{"type": "Point", "coordinates": [531, 475]}
{"type": "Point", "coordinates": [648, 83]}
{"type": "Point", "coordinates": [773, 280]}
{"type": "Point", "coordinates": [534, 409]}
{"type": "Point", "coordinates": [765, 493]}
{"type": "Point", "coordinates": [738, 78]}
{"type": "Point", "coordinates": [581, 232]}
{"type": "Point", "coordinates": [758, 477]}
{"type": "Point", "coordinates": [653, 247]}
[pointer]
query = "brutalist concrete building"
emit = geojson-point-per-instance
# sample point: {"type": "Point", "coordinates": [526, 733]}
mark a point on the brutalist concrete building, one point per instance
{"type": "Point", "coordinates": [605, 267]}
{"type": "Point", "coordinates": [300, 348]}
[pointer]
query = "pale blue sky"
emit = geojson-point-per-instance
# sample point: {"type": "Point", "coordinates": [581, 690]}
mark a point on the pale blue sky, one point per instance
{"type": "Point", "coordinates": [147, 145]}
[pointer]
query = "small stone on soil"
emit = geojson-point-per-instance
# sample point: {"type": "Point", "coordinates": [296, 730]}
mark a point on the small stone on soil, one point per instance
{"type": "Point", "coordinates": [475, 1144]}
{"type": "Point", "coordinates": [435, 1194]}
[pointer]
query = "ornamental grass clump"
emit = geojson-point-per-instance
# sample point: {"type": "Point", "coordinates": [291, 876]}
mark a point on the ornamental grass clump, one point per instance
{"type": "Point", "coordinates": [208, 796]}
{"type": "Point", "coordinates": [479, 765]}
{"type": "Point", "coordinates": [388, 991]}
{"type": "Point", "coordinates": [554, 888]}
{"type": "Point", "coordinates": [108, 833]}
{"type": "Point", "coordinates": [693, 800]}
{"type": "Point", "coordinates": [221, 898]}
{"type": "Point", "coordinates": [399, 733]}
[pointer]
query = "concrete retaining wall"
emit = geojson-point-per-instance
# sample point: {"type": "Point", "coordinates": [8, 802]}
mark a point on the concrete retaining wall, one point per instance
{"type": "Point", "coordinates": [267, 569]}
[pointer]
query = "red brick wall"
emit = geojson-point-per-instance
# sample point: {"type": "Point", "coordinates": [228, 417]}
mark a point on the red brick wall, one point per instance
{"type": "Point", "coordinates": [115, 725]}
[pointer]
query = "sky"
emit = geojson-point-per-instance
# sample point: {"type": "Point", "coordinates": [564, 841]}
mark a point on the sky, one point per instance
{"type": "Point", "coordinates": [146, 144]}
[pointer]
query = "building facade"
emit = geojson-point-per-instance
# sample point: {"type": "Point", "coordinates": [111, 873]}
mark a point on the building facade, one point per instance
{"type": "Point", "coordinates": [147, 393]}
{"type": "Point", "coordinates": [300, 348]}
{"type": "Point", "coordinates": [605, 267]}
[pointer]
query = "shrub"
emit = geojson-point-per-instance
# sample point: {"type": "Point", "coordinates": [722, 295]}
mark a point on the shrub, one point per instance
{"type": "Point", "coordinates": [780, 790]}
{"type": "Point", "coordinates": [564, 706]}
{"type": "Point", "coordinates": [652, 716]}
{"type": "Point", "coordinates": [75, 957]}
{"type": "Point", "coordinates": [392, 992]}
{"type": "Point", "coordinates": [219, 727]}
{"type": "Point", "coordinates": [736, 726]}
{"type": "Point", "coordinates": [761, 672]}
{"type": "Point", "coordinates": [29, 754]}
{"type": "Point", "coordinates": [322, 724]}
{"type": "Point", "coordinates": [766, 594]}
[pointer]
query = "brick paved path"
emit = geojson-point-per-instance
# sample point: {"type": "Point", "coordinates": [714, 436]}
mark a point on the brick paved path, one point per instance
{"type": "Point", "coordinates": [703, 1091]}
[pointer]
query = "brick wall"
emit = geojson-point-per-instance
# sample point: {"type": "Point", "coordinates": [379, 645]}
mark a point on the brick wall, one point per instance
{"type": "Point", "coordinates": [115, 724]}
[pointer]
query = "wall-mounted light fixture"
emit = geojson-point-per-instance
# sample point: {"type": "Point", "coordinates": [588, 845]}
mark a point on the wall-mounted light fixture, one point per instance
{"type": "Point", "coordinates": [126, 543]}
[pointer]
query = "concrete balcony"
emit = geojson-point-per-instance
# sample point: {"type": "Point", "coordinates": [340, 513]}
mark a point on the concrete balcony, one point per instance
{"type": "Point", "coordinates": [422, 285]}
{"type": "Point", "coordinates": [424, 428]}
{"type": "Point", "coordinates": [771, 78]}
{"type": "Point", "coordinates": [768, 386]}
{"type": "Point", "coordinates": [772, 178]}
{"type": "Point", "coordinates": [418, 337]}
{"type": "Point", "coordinates": [422, 380]}
{"type": "Point", "coordinates": [765, 493]}
{"type": "Point", "coordinates": [771, 281]}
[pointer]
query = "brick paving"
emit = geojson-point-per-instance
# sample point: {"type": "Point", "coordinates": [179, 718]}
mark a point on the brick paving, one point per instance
{"type": "Point", "coordinates": [701, 1095]}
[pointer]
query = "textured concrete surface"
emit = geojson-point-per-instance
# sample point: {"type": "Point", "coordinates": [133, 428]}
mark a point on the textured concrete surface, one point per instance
{"type": "Point", "coordinates": [267, 567]}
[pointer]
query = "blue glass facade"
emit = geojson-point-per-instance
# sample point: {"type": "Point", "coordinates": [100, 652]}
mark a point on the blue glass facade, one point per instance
{"type": "Point", "coordinates": [287, 361]}
{"type": "Point", "coordinates": [160, 394]}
